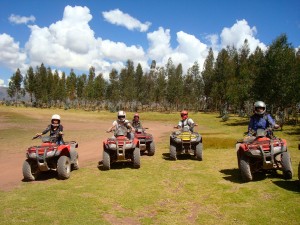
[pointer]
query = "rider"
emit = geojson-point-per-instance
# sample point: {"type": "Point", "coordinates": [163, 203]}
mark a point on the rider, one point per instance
{"type": "Point", "coordinates": [136, 123]}
{"type": "Point", "coordinates": [122, 122]}
{"type": "Point", "coordinates": [55, 129]}
{"type": "Point", "coordinates": [260, 119]}
{"type": "Point", "coordinates": [185, 122]}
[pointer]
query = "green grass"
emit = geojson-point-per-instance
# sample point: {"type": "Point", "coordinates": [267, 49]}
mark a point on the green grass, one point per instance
{"type": "Point", "coordinates": [160, 192]}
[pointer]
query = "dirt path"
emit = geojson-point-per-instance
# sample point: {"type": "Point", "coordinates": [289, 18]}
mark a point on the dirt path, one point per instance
{"type": "Point", "coordinates": [90, 136]}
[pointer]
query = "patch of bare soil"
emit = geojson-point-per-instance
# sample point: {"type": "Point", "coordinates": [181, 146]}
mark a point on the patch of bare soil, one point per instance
{"type": "Point", "coordinates": [88, 133]}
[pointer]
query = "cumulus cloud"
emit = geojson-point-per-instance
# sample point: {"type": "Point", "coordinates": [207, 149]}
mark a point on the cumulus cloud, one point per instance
{"type": "Point", "coordinates": [236, 35]}
{"type": "Point", "coordinates": [159, 43]}
{"type": "Point", "coordinates": [21, 19]}
{"type": "Point", "coordinates": [1, 83]}
{"type": "Point", "coordinates": [117, 17]}
{"type": "Point", "coordinates": [188, 50]}
{"type": "Point", "coordinates": [11, 56]}
{"type": "Point", "coordinates": [71, 43]}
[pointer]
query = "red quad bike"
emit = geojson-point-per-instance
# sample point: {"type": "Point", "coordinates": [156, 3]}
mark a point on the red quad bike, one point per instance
{"type": "Point", "coordinates": [263, 152]}
{"type": "Point", "coordinates": [146, 142]}
{"type": "Point", "coordinates": [50, 156]}
{"type": "Point", "coordinates": [121, 148]}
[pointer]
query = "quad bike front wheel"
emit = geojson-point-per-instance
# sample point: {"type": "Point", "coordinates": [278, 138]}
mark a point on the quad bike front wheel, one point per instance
{"type": "Point", "coordinates": [136, 158]}
{"type": "Point", "coordinates": [30, 170]}
{"type": "Point", "coordinates": [64, 167]}
{"type": "Point", "coordinates": [173, 152]}
{"type": "Point", "coordinates": [244, 167]}
{"type": "Point", "coordinates": [106, 160]}
{"type": "Point", "coordinates": [151, 149]}
{"type": "Point", "coordinates": [286, 166]}
{"type": "Point", "coordinates": [199, 149]}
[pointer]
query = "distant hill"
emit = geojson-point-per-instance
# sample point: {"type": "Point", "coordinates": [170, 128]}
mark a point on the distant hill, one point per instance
{"type": "Point", "coordinates": [3, 93]}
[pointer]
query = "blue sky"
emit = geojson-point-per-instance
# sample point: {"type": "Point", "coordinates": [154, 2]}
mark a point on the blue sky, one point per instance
{"type": "Point", "coordinates": [105, 33]}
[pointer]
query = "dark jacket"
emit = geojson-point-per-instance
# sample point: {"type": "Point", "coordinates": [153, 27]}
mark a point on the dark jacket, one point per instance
{"type": "Point", "coordinates": [54, 132]}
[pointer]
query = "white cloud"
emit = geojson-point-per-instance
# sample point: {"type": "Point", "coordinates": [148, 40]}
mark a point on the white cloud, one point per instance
{"type": "Point", "coordinates": [11, 56]}
{"type": "Point", "coordinates": [159, 44]}
{"type": "Point", "coordinates": [236, 35]}
{"type": "Point", "coordinates": [117, 17]}
{"type": "Point", "coordinates": [21, 19]}
{"type": "Point", "coordinates": [72, 43]}
{"type": "Point", "coordinates": [189, 49]}
{"type": "Point", "coordinates": [1, 83]}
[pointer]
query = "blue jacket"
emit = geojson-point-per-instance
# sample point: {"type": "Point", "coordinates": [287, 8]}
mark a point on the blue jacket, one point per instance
{"type": "Point", "coordinates": [260, 121]}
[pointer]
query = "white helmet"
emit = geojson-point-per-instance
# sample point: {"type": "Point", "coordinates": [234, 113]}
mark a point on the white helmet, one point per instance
{"type": "Point", "coordinates": [121, 116]}
{"type": "Point", "coordinates": [55, 117]}
{"type": "Point", "coordinates": [259, 104]}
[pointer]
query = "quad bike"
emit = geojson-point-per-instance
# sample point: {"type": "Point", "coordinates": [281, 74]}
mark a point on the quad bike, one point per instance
{"type": "Point", "coordinates": [263, 152]}
{"type": "Point", "coordinates": [121, 148]}
{"type": "Point", "coordinates": [185, 142]}
{"type": "Point", "coordinates": [50, 156]}
{"type": "Point", "coordinates": [146, 142]}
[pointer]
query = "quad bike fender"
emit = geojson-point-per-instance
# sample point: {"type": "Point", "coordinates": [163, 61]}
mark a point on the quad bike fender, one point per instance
{"type": "Point", "coordinates": [113, 146]}
{"type": "Point", "coordinates": [195, 138]}
{"type": "Point", "coordinates": [261, 153]}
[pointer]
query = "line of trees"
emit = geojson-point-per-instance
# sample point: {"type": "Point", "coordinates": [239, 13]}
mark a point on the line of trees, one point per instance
{"type": "Point", "coordinates": [232, 80]}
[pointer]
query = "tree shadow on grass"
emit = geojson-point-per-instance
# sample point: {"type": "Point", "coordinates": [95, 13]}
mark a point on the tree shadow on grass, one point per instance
{"type": "Point", "coordinates": [288, 185]}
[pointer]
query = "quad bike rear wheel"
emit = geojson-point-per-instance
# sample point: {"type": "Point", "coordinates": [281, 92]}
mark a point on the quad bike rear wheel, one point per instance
{"type": "Point", "coordinates": [199, 148]}
{"type": "Point", "coordinates": [245, 168]}
{"type": "Point", "coordinates": [151, 149]}
{"type": "Point", "coordinates": [64, 167]}
{"type": "Point", "coordinates": [173, 153]}
{"type": "Point", "coordinates": [106, 160]}
{"type": "Point", "coordinates": [136, 158]}
{"type": "Point", "coordinates": [30, 170]}
{"type": "Point", "coordinates": [286, 166]}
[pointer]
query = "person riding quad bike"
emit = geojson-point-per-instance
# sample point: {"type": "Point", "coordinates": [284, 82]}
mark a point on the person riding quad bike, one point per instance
{"type": "Point", "coordinates": [122, 122]}
{"type": "Point", "coordinates": [52, 154]}
{"type": "Point", "coordinates": [260, 150]}
{"type": "Point", "coordinates": [146, 140]}
{"type": "Point", "coordinates": [136, 123]}
{"type": "Point", "coordinates": [260, 119]}
{"type": "Point", "coordinates": [185, 141]}
{"type": "Point", "coordinates": [122, 146]}
{"type": "Point", "coordinates": [55, 129]}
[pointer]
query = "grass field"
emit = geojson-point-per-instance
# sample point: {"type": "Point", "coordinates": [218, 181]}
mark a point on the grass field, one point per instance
{"type": "Point", "coordinates": [160, 192]}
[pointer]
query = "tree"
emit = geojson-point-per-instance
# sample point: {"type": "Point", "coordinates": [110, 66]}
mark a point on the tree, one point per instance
{"type": "Point", "coordinates": [99, 87]}
{"type": "Point", "coordinates": [71, 86]}
{"type": "Point", "coordinates": [208, 76]}
{"type": "Point", "coordinates": [14, 86]}
{"type": "Point", "coordinates": [138, 83]}
{"type": "Point", "coordinates": [29, 82]}
{"type": "Point", "coordinates": [113, 89]}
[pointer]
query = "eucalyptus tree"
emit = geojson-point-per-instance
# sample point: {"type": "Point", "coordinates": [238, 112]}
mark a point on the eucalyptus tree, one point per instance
{"type": "Point", "coordinates": [29, 82]}
{"type": "Point", "coordinates": [15, 89]}
{"type": "Point", "coordinates": [208, 76]}
{"type": "Point", "coordinates": [71, 86]}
